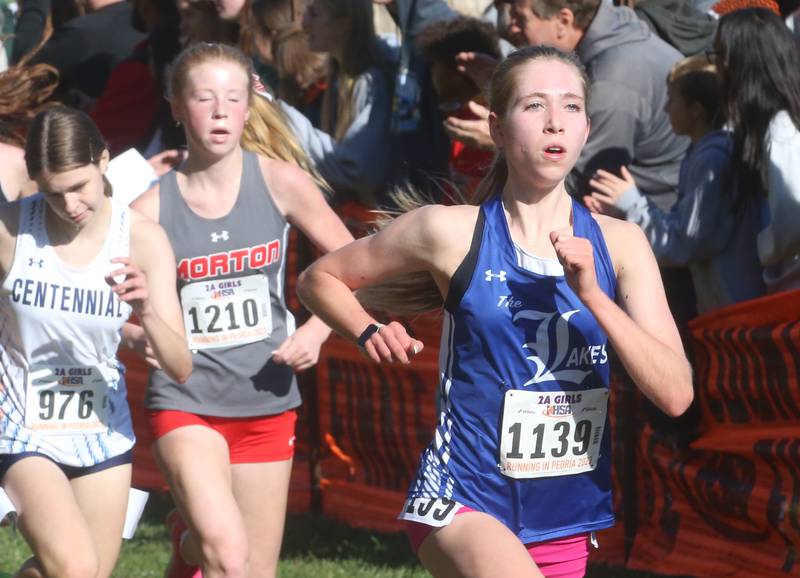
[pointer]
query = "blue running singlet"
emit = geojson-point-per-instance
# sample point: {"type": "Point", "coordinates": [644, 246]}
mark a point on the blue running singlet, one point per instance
{"type": "Point", "coordinates": [523, 430]}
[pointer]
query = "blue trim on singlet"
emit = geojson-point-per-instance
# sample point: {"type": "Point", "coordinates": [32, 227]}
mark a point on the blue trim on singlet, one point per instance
{"type": "Point", "coordinates": [510, 326]}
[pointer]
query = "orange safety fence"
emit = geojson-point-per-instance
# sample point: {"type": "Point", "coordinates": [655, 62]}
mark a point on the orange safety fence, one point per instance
{"type": "Point", "coordinates": [376, 419]}
{"type": "Point", "coordinates": [727, 505]}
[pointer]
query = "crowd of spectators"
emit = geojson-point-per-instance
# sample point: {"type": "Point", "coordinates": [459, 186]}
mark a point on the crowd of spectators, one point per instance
{"type": "Point", "coordinates": [694, 114]}
{"type": "Point", "coordinates": [693, 107]}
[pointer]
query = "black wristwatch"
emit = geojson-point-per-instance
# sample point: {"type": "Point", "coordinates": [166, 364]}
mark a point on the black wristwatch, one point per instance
{"type": "Point", "coordinates": [368, 332]}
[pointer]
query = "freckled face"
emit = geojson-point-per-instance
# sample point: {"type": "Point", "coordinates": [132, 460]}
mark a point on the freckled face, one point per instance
{"type": "Point", "coordinates": [214, 106]}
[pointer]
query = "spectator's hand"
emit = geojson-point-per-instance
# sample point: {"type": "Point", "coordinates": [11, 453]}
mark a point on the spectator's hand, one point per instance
{"type": "Point", "coordinates": [607, 188]}
{"type": "Point", "coordinates": [596, 206]}
{"type": "Point", "coordinates": [259, 88]}
{"type": "Point", "coordinates": [477, 66]}
{"type": "Point", "coordinates": [473, 133]}
{"type": "Point", "coordinates": [167, 160]}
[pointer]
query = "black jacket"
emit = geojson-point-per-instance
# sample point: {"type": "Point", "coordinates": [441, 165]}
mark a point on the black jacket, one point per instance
{"type": "Point", "coordinates": [86, 49]}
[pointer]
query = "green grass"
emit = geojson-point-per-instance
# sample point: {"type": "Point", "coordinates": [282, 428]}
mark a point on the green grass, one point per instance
{"type": "Point", "coordinates": [313, 547]}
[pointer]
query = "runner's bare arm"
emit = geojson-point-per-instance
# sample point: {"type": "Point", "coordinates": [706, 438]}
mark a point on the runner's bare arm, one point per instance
{"type": "Point", "coordinates": [304, 205]}
{"type": "Point", "coordinates": [641, 328]}
{"type": "Point", "coordinates": [148, 203]}
{"type": "Point", "coordinates": [160, 316]}
{"type": "Point", "coordinates": [133, 335]}
{"type": "Point", "coordinates": [433, 239]}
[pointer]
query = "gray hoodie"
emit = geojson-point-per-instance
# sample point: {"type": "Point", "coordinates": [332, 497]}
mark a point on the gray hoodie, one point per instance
{"type": "Point", "coordinates": [628, 67]}
{"type": "Point", "coordinates": [779, 240]}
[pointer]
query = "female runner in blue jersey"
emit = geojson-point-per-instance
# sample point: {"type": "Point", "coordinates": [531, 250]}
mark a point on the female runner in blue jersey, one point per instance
{"type": "Point", "coordinates": [74, 264]}
{"type": "Point", "coordinates": [534, 288]}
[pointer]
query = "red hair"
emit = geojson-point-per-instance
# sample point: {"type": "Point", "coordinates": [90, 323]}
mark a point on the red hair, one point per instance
{"type": "Point", "coordinates": [724, 7]}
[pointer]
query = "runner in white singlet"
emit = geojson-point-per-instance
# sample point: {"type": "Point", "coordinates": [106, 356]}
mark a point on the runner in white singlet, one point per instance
{"type": "Point", "coordinates": [75, 264]}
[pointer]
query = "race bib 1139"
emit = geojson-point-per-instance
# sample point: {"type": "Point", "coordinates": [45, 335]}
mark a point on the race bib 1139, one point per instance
{"type": "Point", "coordinates": [551, 433]}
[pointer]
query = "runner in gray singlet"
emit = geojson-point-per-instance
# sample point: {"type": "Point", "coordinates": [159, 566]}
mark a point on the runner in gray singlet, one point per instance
{"type": "Point", "coordinates": [224, 439]}
{"type": "Point", "coordinates": [219, 261]}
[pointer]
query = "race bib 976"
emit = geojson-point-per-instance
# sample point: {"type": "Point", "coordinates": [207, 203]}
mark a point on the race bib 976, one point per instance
{"type": "Point", "coordinates": [65, 400]}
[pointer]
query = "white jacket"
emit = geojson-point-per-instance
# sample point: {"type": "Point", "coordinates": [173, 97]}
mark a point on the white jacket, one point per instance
{"type": "Point", "coordinates": [779, 240]}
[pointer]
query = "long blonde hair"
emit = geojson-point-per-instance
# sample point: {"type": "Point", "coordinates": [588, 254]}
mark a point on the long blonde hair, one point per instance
{"type": "Point", "coordinates": [360, 53]}
{"type": "Point", "coordinates": [417, 293]}
{"type": "Point", "coordinates": [266, 132]}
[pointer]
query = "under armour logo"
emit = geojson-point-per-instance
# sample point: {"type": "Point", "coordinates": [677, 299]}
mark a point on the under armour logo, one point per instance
{"type": "Point", "coordinates": [221, 236]}
{"type": "Point", "coordinates": [38, 262]}
{"type": "Point", "coordinates": [501, 276]}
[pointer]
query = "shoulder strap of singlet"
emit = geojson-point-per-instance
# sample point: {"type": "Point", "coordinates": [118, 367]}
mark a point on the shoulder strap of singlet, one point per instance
{"type": "Point", "coordinates": [581, 220]}
{"type": "Point", "coordinates": [463, 275]}
{"type": "Point", "coordinates": [252, 183]}
{"type": "Point", "coordinates": [254, 186]}
{"type": "Point", "coordinates": [250, 165]}
{"type": "Point", "coordinates": [167, 191]}
{"type": "Point", "coordinates": [121, 232]}
{"type": "Point", "coordinates": [31, 223]}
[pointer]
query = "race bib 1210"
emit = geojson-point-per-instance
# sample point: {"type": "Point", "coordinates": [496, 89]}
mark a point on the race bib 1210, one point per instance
{"type": "Point", "coordinates": [226, 312]}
